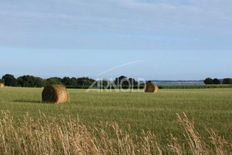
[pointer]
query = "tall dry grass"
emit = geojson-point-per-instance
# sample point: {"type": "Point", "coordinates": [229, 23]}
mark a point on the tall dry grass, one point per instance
{"type": "Point", "coordinates": [49, 136]}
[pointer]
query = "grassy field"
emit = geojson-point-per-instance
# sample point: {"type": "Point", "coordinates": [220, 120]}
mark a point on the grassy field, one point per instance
{"type": "Point", "coordinates": [157, 113]}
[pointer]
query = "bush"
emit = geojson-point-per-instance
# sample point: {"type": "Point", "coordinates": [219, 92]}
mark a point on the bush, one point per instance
{"type": "Point", "coordinates": [30, 81]}
{"type": "Point", "coordinates": [216, 81]}
{"type": "Point", "coordinates": [125, 82]}
{"type": "Point", "coordinates": [208, 81]}
{"type": "Point", "coordinates": [85, 82]}
{"type": "Point", "coordinates": [227, 81]}
{"type": "Point", "coordinates": [53, 80]}
{"type": "Point", "coordinates": [9, 80]}
{"type": "Point", "coordinates": [69, 82]}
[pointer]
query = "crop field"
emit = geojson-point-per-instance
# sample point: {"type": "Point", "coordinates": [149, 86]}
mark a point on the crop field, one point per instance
{"type": "Point", "coordinates": [137, 114]}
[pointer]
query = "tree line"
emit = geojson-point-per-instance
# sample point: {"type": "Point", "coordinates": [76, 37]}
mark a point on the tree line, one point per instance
{"type": "Point", "coordinates": [215, 81]}
{"type": "Point", "coordinates": [70, 82]}
{"type": "Point", "coordinates": [86, 82]}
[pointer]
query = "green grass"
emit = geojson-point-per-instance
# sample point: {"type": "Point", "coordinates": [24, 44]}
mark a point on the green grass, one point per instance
{"type": "Point", "coordinates": [209, 108]}
{"type": "Point", "coordinates": [196, 86]}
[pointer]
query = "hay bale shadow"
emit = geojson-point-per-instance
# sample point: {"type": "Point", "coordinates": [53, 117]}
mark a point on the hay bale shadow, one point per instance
{"type": "Point", "coordinates": [28, 101]}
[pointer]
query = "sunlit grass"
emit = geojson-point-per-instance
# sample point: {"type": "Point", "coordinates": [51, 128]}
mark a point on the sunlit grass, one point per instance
{"type": "Point", "coordinates": [210, 108]}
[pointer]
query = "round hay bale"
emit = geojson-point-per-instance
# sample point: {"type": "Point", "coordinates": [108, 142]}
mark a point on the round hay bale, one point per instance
{"type": "Point", "coordinates": [2, 85]}
{"type": "Point", "coordinates": [151, 88]}
{"type": "Point", "coordinates": [55, 94]}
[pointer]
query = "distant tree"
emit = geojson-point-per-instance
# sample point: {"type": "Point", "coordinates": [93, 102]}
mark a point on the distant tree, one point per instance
{"type": "Point", "coordinates": [9, 80]}
{"type": "Point", "coordinates": [103, 84]}
{"type": "Point", "coordinates": [216, 81]}
{"type": "Point", "coordinates": [227, 81]}
{"type": "Point", "coordinates": [30, 81]}
{"type": "Point", "coordinates": [69, 82]}
{"type": "Point", "coordinates": [141, 84]}
{"type": "Point", "coordinates": [149, 82]}
{"type": "Point", "coordinates": [66, 81]}
{"type": "Point", "coordinates": [53, 80]}
{"type": "Point", "coordinates": [122, 82]}
{"type": "Point", "coordinates": [119, 80]}
{"type": "Point", "coordinates": [39, 82]}
{"type": "Point", "coordinates": [133, 82]}
{"type": "Point", "coordinates": [208, 81]}
{"type": "Point", "coordinates": [106, 84]}
{"type": "Point", "coordinates": [125, 82]}
{"type": "Point", "coordinates": [85, 82]}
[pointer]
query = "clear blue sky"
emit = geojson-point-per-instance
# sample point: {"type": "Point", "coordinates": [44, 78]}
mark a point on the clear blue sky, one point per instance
{"type": "Point", "coordinates": [151, 39]}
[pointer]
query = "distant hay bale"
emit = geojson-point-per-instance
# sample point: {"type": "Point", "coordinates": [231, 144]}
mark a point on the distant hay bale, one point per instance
{"type": "Point", "coordinates": [55, 94]}
{"type": "Point", "coordinates": [2, 85]}
{"type": "Point", "coordinates": [151, 88]}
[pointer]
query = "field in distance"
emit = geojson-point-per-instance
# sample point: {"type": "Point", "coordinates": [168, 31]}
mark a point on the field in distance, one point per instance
{"type": "Point", "coordinates": [209, 108]}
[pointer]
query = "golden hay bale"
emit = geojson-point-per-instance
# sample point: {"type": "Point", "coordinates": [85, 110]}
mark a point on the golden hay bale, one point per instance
{"type": "Point", "coordinates": [151, 88]}
{"type": "Point", "coordinates": [55, 94]}
{"type": "Point", "coordinates": [2, 85]}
